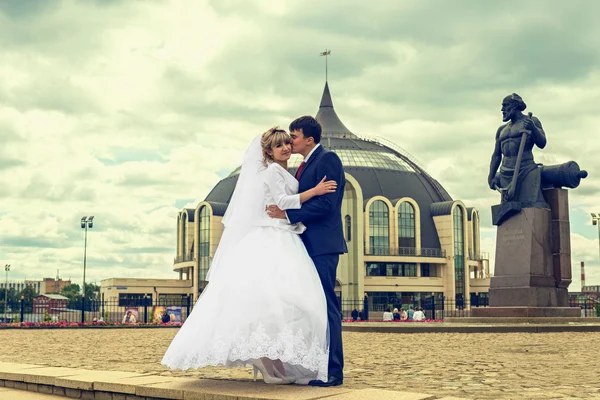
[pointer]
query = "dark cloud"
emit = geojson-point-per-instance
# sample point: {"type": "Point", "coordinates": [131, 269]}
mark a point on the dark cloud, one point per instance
{"type": "Point", "coordinates": [52, 93]}
{"type": "Point", "coordinates": [23, 241]}
{"type": "Point", "coordinates": [7, 163]}
{"type": "Point", "coordinates": [19, 9]}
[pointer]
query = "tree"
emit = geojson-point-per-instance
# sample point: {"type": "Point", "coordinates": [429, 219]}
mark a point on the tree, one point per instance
{"type": "Point", "coordinates": [28, 294]}
{"type": "Point", "coordinates": [73, 293]}
{"type": "Point", "coordinates": [92, 295]}
{"type": "Point", "coordinates": [13, 299]}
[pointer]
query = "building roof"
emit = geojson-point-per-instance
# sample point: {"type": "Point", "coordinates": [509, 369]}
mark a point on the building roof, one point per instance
{"type": "Point", "coordinates": [54, 296]}
{"type": "Point", "coordinates": [190, 213]}
{"type": "Point", "coordinates": [441, 208]}
{"type": "Point", "coordinates": [218, 208]}
{"type": "Point", "coordinates": [470, 213]}
{"type": "Point", "coordinates": [328, 118]}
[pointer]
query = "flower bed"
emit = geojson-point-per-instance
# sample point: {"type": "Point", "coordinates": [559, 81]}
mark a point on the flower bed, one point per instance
{"type": "Point", "coordinates": [406, 321]}
{"type": "Point", "coordinates": [65, 324]}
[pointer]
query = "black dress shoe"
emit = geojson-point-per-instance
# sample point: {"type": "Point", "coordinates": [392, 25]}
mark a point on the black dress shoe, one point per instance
{"type": "Point", "coordinates": [330, 382]}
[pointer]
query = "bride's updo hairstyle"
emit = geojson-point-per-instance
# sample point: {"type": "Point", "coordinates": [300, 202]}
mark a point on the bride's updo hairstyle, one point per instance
{"type": "Point", "coordinates": [271, 139]}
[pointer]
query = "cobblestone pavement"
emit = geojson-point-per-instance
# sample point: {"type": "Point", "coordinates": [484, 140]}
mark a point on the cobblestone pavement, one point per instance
{"type": "Point", "coordinates": [478, 366]}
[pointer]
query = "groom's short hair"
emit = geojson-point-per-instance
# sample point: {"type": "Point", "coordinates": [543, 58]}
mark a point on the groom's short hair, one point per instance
{"type": "Point", "coordinates": [309, 126]}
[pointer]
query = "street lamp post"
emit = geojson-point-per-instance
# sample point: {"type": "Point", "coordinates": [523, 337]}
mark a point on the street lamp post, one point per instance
{"type": "Point", "coordinates": [86, 222]}
{"type": "Point", "coordinates": [596, 221]}
{"type": "Point", "coordinates": [6, 268]}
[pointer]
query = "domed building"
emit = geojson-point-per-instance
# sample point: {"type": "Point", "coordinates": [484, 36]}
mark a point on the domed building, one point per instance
{"type": "Point", "coordinates": [408, 240]}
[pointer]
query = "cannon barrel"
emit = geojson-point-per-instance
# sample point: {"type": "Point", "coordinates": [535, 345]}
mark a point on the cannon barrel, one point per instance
{"type": "Point", "coordinates": [568, 175]}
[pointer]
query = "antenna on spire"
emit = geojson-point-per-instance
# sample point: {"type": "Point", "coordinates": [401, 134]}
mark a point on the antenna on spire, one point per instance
{"type": "Point", "coordinates": [325, 53]}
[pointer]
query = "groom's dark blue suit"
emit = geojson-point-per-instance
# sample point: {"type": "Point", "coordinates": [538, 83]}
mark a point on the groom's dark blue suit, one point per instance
{"type": "Point", "coordinates": [324, 240]}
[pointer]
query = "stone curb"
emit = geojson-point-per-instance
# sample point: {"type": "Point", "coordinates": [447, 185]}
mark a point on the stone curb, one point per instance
{"type": "Point", "coordinates": [481, 328]}
{"type": "Point", "coordinates": [93, 327]}
{"type": "Point", "coordinates": [475, 326]}
{"type": "Point", "coordinates": [115, 385]}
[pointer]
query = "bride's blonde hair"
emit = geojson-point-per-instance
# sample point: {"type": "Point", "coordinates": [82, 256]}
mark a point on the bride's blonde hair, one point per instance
{"type": "Point", "coordinates": [271, 139]}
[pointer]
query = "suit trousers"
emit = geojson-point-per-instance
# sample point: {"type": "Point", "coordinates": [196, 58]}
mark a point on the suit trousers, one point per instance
{"type": "Point", "coordinates": [326, 265]}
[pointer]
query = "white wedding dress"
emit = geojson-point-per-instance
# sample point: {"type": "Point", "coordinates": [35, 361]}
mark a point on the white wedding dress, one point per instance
{"type": "Point", "coordinates": [264, 300]}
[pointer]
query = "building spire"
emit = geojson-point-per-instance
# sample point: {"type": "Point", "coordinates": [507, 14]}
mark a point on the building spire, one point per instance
{"type": "Point", "coordinates": [329, 120]}
{"type": "Point", "coordinates": [326, 98]}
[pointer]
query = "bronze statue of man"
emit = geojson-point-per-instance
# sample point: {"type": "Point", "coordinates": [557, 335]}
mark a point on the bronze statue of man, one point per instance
{"type": "Point", "coordinates": [520, 177]}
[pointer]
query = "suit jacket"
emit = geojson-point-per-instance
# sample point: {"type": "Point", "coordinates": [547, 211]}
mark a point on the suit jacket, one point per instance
{"type": "Point", "coordinates": [322, 215]}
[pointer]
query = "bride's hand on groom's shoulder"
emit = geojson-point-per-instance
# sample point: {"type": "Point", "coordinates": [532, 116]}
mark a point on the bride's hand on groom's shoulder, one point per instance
{"type": "Point", "coordinates": [325, 187]}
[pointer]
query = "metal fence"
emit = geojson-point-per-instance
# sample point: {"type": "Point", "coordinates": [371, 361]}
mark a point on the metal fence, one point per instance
{"type": "Point", "coordinates": [439, 308]}
{"type": "Point", "coordinates": [405, 251]}
{"type": "Point", "coordinates": [143, 310]}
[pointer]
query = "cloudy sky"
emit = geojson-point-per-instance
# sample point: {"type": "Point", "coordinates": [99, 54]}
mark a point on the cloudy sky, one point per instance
{"type": "Point", "coordinates": [130, 111]}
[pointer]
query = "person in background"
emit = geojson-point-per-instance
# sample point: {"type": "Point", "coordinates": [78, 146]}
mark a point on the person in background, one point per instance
{"type": "Point", "coordinates": [355, 314]}
{"type": "Point", "coordinates": [403, 315]}
{"type": "Point", "coordinates": [387, 315]}
{"type": "Point", "coordinates": [419, 315]}
{"type": "Point", "coordinates": [165, 318]}
{"type": "Point", "coordinates": [411, 313]}
{"type": "Point", "coordinates": [396, 315]}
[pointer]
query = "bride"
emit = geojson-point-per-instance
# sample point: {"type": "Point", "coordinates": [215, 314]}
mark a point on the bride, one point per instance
{"type": "Point", "coordinates": [262, 271]}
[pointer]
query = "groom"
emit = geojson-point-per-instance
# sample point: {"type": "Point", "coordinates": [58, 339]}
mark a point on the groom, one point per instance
{"type": "Point", "coordinates": [324, 237]}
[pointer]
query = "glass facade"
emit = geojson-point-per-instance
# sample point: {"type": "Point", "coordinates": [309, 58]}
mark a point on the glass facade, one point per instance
{"type": "Point", "coordinates": [134, 299]}
{"type": "Point", "coordinates": [406, 226]}
{"type": "Point", "coordinates": [379, 228]}
{"type": "Point", "coordinates": [391, 269]}
{"type": "Point", "coordinates": [172, 299]}
{"type": "Point", "coordinates": [358, 158]}
{"type": "Point", "coordinates": [184, 234]}
{"type": "Point", "coordinates": [475, 232]}
{"type": "Point", "coordinates": [379, 301]}
{"type": "Point", "coordinates": [428, 270]}
{"type": "Point", "coordinates": [203, 243]}
{"type": "Point", "coordinates": [459, 261]}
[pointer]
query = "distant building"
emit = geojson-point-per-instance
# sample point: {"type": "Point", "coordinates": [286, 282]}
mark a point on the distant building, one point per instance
{"type": "Point", "coordinates": [591, 290]}
{"type": "Point", "coordinates": [127, 292]}
{"type": "Point", "coordinates": [18, 286]}
{"type": "Point", "coordinates": [47, 285]}
{"type": "Point", "coordinates": [51, 303]}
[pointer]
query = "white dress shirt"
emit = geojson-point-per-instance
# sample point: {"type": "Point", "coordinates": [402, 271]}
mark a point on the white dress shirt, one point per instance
{"type": "Point", "coordinates": [312, 151]}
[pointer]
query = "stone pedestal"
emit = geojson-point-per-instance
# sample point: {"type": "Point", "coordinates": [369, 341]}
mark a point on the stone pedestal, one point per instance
{"type": "Point", "coordinates": [533, 263]}
{"type": "Point", "coordinates": [561, 235]}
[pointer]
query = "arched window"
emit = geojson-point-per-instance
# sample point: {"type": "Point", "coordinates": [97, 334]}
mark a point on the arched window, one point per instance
{"type": "Point", "coordinates": [459, 263]}
{"type": "Point", "coordinates": [379, 228]}
{"type": "Point", "coordinates": [204, 242]}
{"type": "Point", "coordinates": [406, 228]}
{"type": "Point", "coordinates": [348, 226]}
{"type": "Point", "coordinates": [184, 234]}
{"type": "Point", "coordinates": [475, 221]}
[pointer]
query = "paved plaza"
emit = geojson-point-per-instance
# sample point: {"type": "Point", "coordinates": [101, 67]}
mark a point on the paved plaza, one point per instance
{"type": "Point", "coordinates": [478, 366]}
